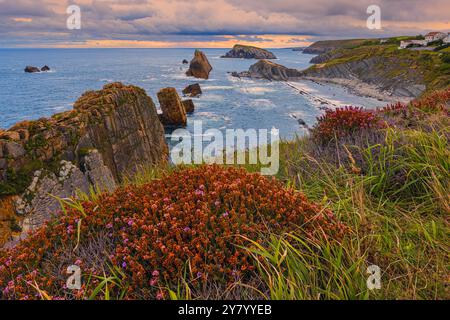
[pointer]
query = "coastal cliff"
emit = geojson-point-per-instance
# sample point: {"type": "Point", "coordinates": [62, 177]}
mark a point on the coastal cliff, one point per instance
{"type": "Point", "coordinates": [108, 135]}
{"type": "Point", "coordinates": [388, 70]}
{"type": "Point", "coordinates": [249, 52]}
{"type": "Point", "coordinates": [268, 70]}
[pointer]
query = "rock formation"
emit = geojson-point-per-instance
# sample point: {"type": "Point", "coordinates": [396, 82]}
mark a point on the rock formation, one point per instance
{"type": "Point", "coordinates": [200, 66]}
{"type": "Point", "coordinates": [264, 69]}
{"type": "Point", "coordinates": [31, 69]}
{"type": "Point", "coordinates": [45, 68]}
{"type": "Point", "coordinates": [193, 90]}
{"type": "Point", "coordinates": [108, 135]}
{"type": "Point", "coordinates": [173, 112]}
{"type": "Point", "coordinates": [185, 61]}
{"type": "Point", "coordinates": [249, 52]}
{"type": "Point", "coordinates": [189, 106]}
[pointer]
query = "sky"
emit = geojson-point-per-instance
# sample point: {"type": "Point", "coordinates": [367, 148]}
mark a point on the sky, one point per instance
{"type": "Point", "coordinates": [211, 23]}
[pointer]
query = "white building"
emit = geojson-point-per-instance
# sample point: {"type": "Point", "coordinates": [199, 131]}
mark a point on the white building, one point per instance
{"type": "Point", "coordinates": [447, 39]}
{"type": "Point", "coordinates": [434, 36]}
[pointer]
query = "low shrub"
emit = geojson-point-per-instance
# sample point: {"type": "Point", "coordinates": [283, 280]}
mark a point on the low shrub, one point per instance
{"type": "Point", "coordinates": [144, 237]}
{"type": "Point", "coordinates": [343, 122]}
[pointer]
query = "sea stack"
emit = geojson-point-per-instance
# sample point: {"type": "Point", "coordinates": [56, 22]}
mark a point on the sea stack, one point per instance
{"type": "Point", "coordinates": [200, 66]}
{"type": "Point", "coordinates": [249, 52]}
{"type": "Point", "coordinates": [173, 110]}
{"type": "Point", "coordinates": [193, 90]}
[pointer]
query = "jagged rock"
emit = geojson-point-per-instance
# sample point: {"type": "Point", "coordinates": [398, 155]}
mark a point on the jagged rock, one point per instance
{"type": "Point", "coordinates": [189, 106]}
{"type": "Point", "coordinates": [200, 66]}
{"type": "Point", "coordinates": [249, 52]}
{"type": "Point", "coordinates": [173, 112]}
{"type": "Point", "coordinates": [185, 61]}
{"type": "Point", "coordinates": [31, 69]}
{"type": "Point", "coordinates": [10, 135]}
{"type": "Point", "coordinates": [119, 121]}
{"type": "Point", "coordinates": [45, 68]}
{"type": "Point", "coordinates": [264, 69]}
{"type": "Point", "coordinates": [193, 90]}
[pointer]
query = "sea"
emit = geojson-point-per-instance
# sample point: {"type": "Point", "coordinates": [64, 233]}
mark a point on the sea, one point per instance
{"type": "Point", "coordinates": [227, 102]}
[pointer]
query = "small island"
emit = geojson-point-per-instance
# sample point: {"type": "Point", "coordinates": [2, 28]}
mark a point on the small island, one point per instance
{"type": "Point", "coordinates": [248, 52]}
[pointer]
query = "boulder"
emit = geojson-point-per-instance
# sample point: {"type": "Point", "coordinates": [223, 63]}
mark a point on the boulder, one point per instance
{"type": "Point", "coordinates": [14, 150]}
{"type": "Point", "coordinates": [185, 61]}
{"type": "Point", "coordinates": [200, 66]}
{"type": "Point", "coordinates": [45, 68]}
{"type": "Point", "coordinates": [193, 90]}
{"type": "Point", "coordinates": [173, 112]}
{"type": "Point", "coordinates": [249, 52]}
{"type": "Point", "coordinates": [189, 106]}
{"type": "Point", "coordinates": [264, 69]}
{"type": "Point", "coordinates": [31, 69]}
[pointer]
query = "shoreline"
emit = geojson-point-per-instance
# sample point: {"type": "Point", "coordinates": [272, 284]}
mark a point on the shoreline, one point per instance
{"type": "Point", "coordinates": [361, 89]}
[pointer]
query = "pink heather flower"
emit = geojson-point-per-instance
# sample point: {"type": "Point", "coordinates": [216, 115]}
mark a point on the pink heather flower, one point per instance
{"type": "Point", "coordinates": [109, 225]}
{"type": "Point", "coordinates": [153, 282]}
{"type": "Point", "coordinates": [217, 203]}
{"type": "Point", "coordinates": [159, 296]}
{"type": "Point", "coordinates": [199, 192]}
{"type": "Point", "coordinates": [155, 273]}
{"type": "Point", "coordinates": [202, 187]}
{"type": "Point", "coordinates": [187, 229]}
{"type": "Point", "coordinates": [130, 223]}
{"type": "Point", "coordinates": [226, 214]}
{"type": "Point", "coordinates": [124, 264]}
{"type": "Point", "coordinates": [78, 262]}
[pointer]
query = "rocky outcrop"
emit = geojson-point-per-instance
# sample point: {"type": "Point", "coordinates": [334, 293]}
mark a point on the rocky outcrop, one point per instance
{"type": "Point", "coordinates": [108, 135]}
{"type": "Point", "coordinates": [264, 69]}
{"type": "Point", "coordinates": [199, 66]}
{"type": "Point", "coordinates": [189, 106]}
{"type": "Point", "coordinates": [173, 111]}
{"type": "Point", "coordinates": [185, 61]}
{"type": "Point", "coordinates": [249, 52]}
{"type": "Point", "coordinates": [193, 90]}
{"type": "Point", "coordinates": [31, 69]}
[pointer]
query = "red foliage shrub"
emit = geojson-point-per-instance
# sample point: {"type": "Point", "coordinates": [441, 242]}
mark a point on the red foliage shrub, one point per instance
{"type": "Point", "coordinates": [198, 215]}
{"type": "Point", "coordinates": [343, 122]}
{"type": "Point", "coordinates": [433, 102]}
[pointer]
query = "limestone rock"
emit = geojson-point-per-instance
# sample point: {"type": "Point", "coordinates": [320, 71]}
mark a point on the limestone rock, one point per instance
{"type": "Point", "coordinates": [31, 69]}
{"type": "Point", "coordinates": [200, 66]}
{"type": "Point", "coordinates": [264, 69]}
{"type": "Point", "coordinates": [97, 173]}
{"type": "Point", "coordinates": [189, 106]}
{"type": "Point", "coordinates": [193, 90]}
{"type": "Point", "coordinates": [249, 52]}
{"type": "Point", "coordinates": [173, 112]}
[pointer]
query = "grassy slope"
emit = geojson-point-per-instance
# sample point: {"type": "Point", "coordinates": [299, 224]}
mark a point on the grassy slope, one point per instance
{"type": "Point", "coordinates": [428, 65]}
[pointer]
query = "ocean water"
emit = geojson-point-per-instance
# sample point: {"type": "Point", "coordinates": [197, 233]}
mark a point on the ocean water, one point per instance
{"type": "Point", "coordinates": [227, 102]}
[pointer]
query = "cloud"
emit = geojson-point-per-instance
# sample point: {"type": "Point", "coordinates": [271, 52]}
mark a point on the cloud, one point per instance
{"type": "Point", "coordinates": [156, 22]}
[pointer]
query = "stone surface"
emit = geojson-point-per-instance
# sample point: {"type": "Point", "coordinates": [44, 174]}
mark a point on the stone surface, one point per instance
{"type": "Point", "coordinates": [97, 173]}
{"type": "Point", "coordinates": [189, 106]}
{"type": "Point", "coordinates": [31, 69]}
{"type": "Point", "coordinates": [193, 90]}
{"type": "Point", "coordinates": [173, 112]}
{"type": "Point", "coordinates": [14, 150]}
{"type": "Point", "coordinates": [199, 66]}
{"type": "Point", "coordinates": [249, 52]}
{"type": "Point", "coordinates": [264, 69]}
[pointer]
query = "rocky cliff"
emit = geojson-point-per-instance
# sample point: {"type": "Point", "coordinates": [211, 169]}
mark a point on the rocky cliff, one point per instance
{"type": "Point", "coordinates": [108, 135]}
{"type": "Point", "coordinates": [399, 73]}
{"type": "Point", "coordinates": [264, 69]}
{"type": "Point", "coordinates": [199, 66]}
{"type": "Point", "coordinates": [249, 52]}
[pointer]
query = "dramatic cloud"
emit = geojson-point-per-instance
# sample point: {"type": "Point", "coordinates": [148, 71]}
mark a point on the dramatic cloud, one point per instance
{"type": "Point", "coordinates": [211, 23]}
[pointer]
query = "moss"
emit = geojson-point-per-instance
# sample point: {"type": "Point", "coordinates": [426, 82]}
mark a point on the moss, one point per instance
{"type": "Point", "coordinates": [19, 180]}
